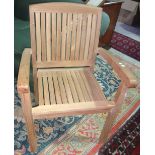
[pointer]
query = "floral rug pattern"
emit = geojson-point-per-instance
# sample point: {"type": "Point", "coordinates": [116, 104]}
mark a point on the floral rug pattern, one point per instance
{"type": "Point", "coordinates": [75, 135]}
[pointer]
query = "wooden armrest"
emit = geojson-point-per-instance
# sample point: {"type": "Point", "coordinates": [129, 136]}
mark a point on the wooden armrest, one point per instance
{"type": "Point", "coordinates": [24, 72]}
{"type": "Point", "coordinates": [123, 72]}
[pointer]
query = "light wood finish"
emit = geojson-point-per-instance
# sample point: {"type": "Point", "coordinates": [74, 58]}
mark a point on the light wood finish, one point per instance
{"type": "Point", "coordinates": [64, 39]}
{"type": "Point", "coordinates": [70, 86]}
{"type": "Point", "coordinates": [65, 34]}
{"type": "Point", "coordinates": [43, 36]}
{"type": "Point", "coordinates": [53, 35]}
{"type": "Point", "coordinates": [112, 114]}
{"type": "Point", "coordinates": [68, 63]}
{"type": "Point", "coordinates": [24, 71]}
{"type": "Point", "coordinates": [48, 36]}
{"type": "Point", "coordinates": [74, 34]}
{"type": "Point", "coordinates": [27, 112]}
{"type": "Point", "coordinates": [88, 36]}
{"type": "Point", "coordinates": [128, 81]}
{"type": "Point", "coordinates": [33, 36]}
{"type": "Point", "coordinates": [64, 31]}
{"type": "Point", "coordinates": [78, 108]}
{"type": "Point", "coordinates": [38, 36]}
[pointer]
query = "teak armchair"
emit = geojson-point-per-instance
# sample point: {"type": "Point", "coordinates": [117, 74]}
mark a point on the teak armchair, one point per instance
{"type": "Point", "coordinates": [64, 41]}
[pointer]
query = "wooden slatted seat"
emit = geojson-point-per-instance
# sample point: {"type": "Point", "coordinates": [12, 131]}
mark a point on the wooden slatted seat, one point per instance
{"type": "Point", "coordinates": [64, 41]}
{"type": "Point", "coordinates": [68, 86]}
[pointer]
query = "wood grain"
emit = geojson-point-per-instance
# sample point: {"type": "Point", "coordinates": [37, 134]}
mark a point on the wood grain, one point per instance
{"type": "Point", "coordinates": [24, 72]}
{"type": "Point", "coordinates": [71, 109]}
{"type": "Point", "coordinates": [48, 36]}
{"type": "Point", "coordinates": [64, 40]}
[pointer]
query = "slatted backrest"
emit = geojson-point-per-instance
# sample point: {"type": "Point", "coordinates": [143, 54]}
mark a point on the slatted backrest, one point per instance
{"type": "Point", "coordinates": [64, 34]}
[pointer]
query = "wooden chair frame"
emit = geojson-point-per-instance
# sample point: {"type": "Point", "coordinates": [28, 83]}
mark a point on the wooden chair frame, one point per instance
{"type": "Point", "coordinates": [98, 102]}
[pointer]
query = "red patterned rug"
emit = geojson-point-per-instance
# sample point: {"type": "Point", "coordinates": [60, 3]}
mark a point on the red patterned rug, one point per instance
{"type": "Point", "coordinates": [126, 45]}
{"type": "Point", "coordinates": [126, 140]}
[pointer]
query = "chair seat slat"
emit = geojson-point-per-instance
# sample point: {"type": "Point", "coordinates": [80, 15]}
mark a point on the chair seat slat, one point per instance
{"type": "Point", "coordinates": [46, 91]}
{"type": "Point", "coordinates": [72, 86]}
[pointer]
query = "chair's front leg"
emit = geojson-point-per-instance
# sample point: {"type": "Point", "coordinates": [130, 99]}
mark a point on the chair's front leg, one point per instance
{"type": "Point", "coordinates": [27, 112]}
{"type": "Point", "coordinates": [110, 119]}
{"type": "Point", "coordinates": [113, 113]}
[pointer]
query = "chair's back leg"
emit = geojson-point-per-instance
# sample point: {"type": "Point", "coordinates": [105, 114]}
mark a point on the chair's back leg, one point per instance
{"type": "Point", "coordinates": [27, 112]}
{"type": "Point", "coordinates": [113, 113]}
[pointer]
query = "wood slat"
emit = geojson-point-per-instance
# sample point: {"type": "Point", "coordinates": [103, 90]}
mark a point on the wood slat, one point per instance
{"type": "Point", "coordinates": [83, 36]}
{"type": "Point", "coordinates": [40, 89]}
{"type": "Point", "coordinates": [53, 35]}
{"type": "Point", "coordinates": [58, 52]}
{"type": "Point", "coordinates": [67, 88]}
{"type": "Point", "coordinates": [92, 37]}
{"type": "Point", "coordinates": [48, 36]}
{"type": "Point", "coordinates": [78, 88]}
{"type": "Point", "coordinates": [62, 88]}
{"type": "Point", "coordinates": [38, 36]}
{"type": "Point", "coordinates": [63, 35]}
{"type": "Point", "coordinates": [98, 27]}
{"type": "Point", "coordinates": [73, 42]}
{"type": "Point", "coordinates": [88, 88]}
{"type": "Point", "coordinates": [46, 91]}
{"type": "Point", "coordinates": [82, 85]}
{"type": "Point", "coordinates": [43, 36]}
{"type": "Point", "coordinates": [69, 29]}
{"type": "Point", "coordinates": [78, 37]}
{"type": "Point", "coordinates": [33, 36]}
{"type": "Point", "coordinates": [88, 33]}
{"type": "Point", "coordinates": [72, 86]}
{"type": "Point", "coordinates": [63, 64]}
{"type": "Point", "coordinates": [71, 109]}
{"type": "Point", "coordinates": [64, 31]}
{"type": "Point", "coordinates": [56, 88]}
{"type": "Point", "coordinates": [51, 89]}
{"type": "Point", "coordinates": [28, 117]}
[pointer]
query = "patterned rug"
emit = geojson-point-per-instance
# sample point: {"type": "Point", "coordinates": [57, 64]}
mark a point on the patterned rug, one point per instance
{"type": "Point", "coordinates": [76, 135]}
{"type": "Point", "coordinates": [126, 45]}
{"type": "Point", "coordinates": [126, 140]}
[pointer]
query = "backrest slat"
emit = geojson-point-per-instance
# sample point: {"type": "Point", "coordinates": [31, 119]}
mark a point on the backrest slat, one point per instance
{"type": "Point", "coordinates": [88, 33]}
{"type": "Point", "coordinates": [83, 36]}
{"type": "Point", "coordinates": [43, 37]}
{"type": "Point", "coordinates": [38, 36]}
{"type": "Point", "coordinates": [33, 36]}
{"type": "Point", "coordinates": [53, 35]}
{"type": "Point", "coordinates": [92, 37]}
{"type": "Point", "coordinates": [73, 40]}
{"type": "Point", "coordinates": [64, 33]}
{"type": "Point", "coordinates": [78, 38]}
{"type": "Point", "coordinates": [69, 29]}
{"type": "Point", "coordinates": [58, 49]}
{"type": "Point", "coordinates": [48, 36]}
